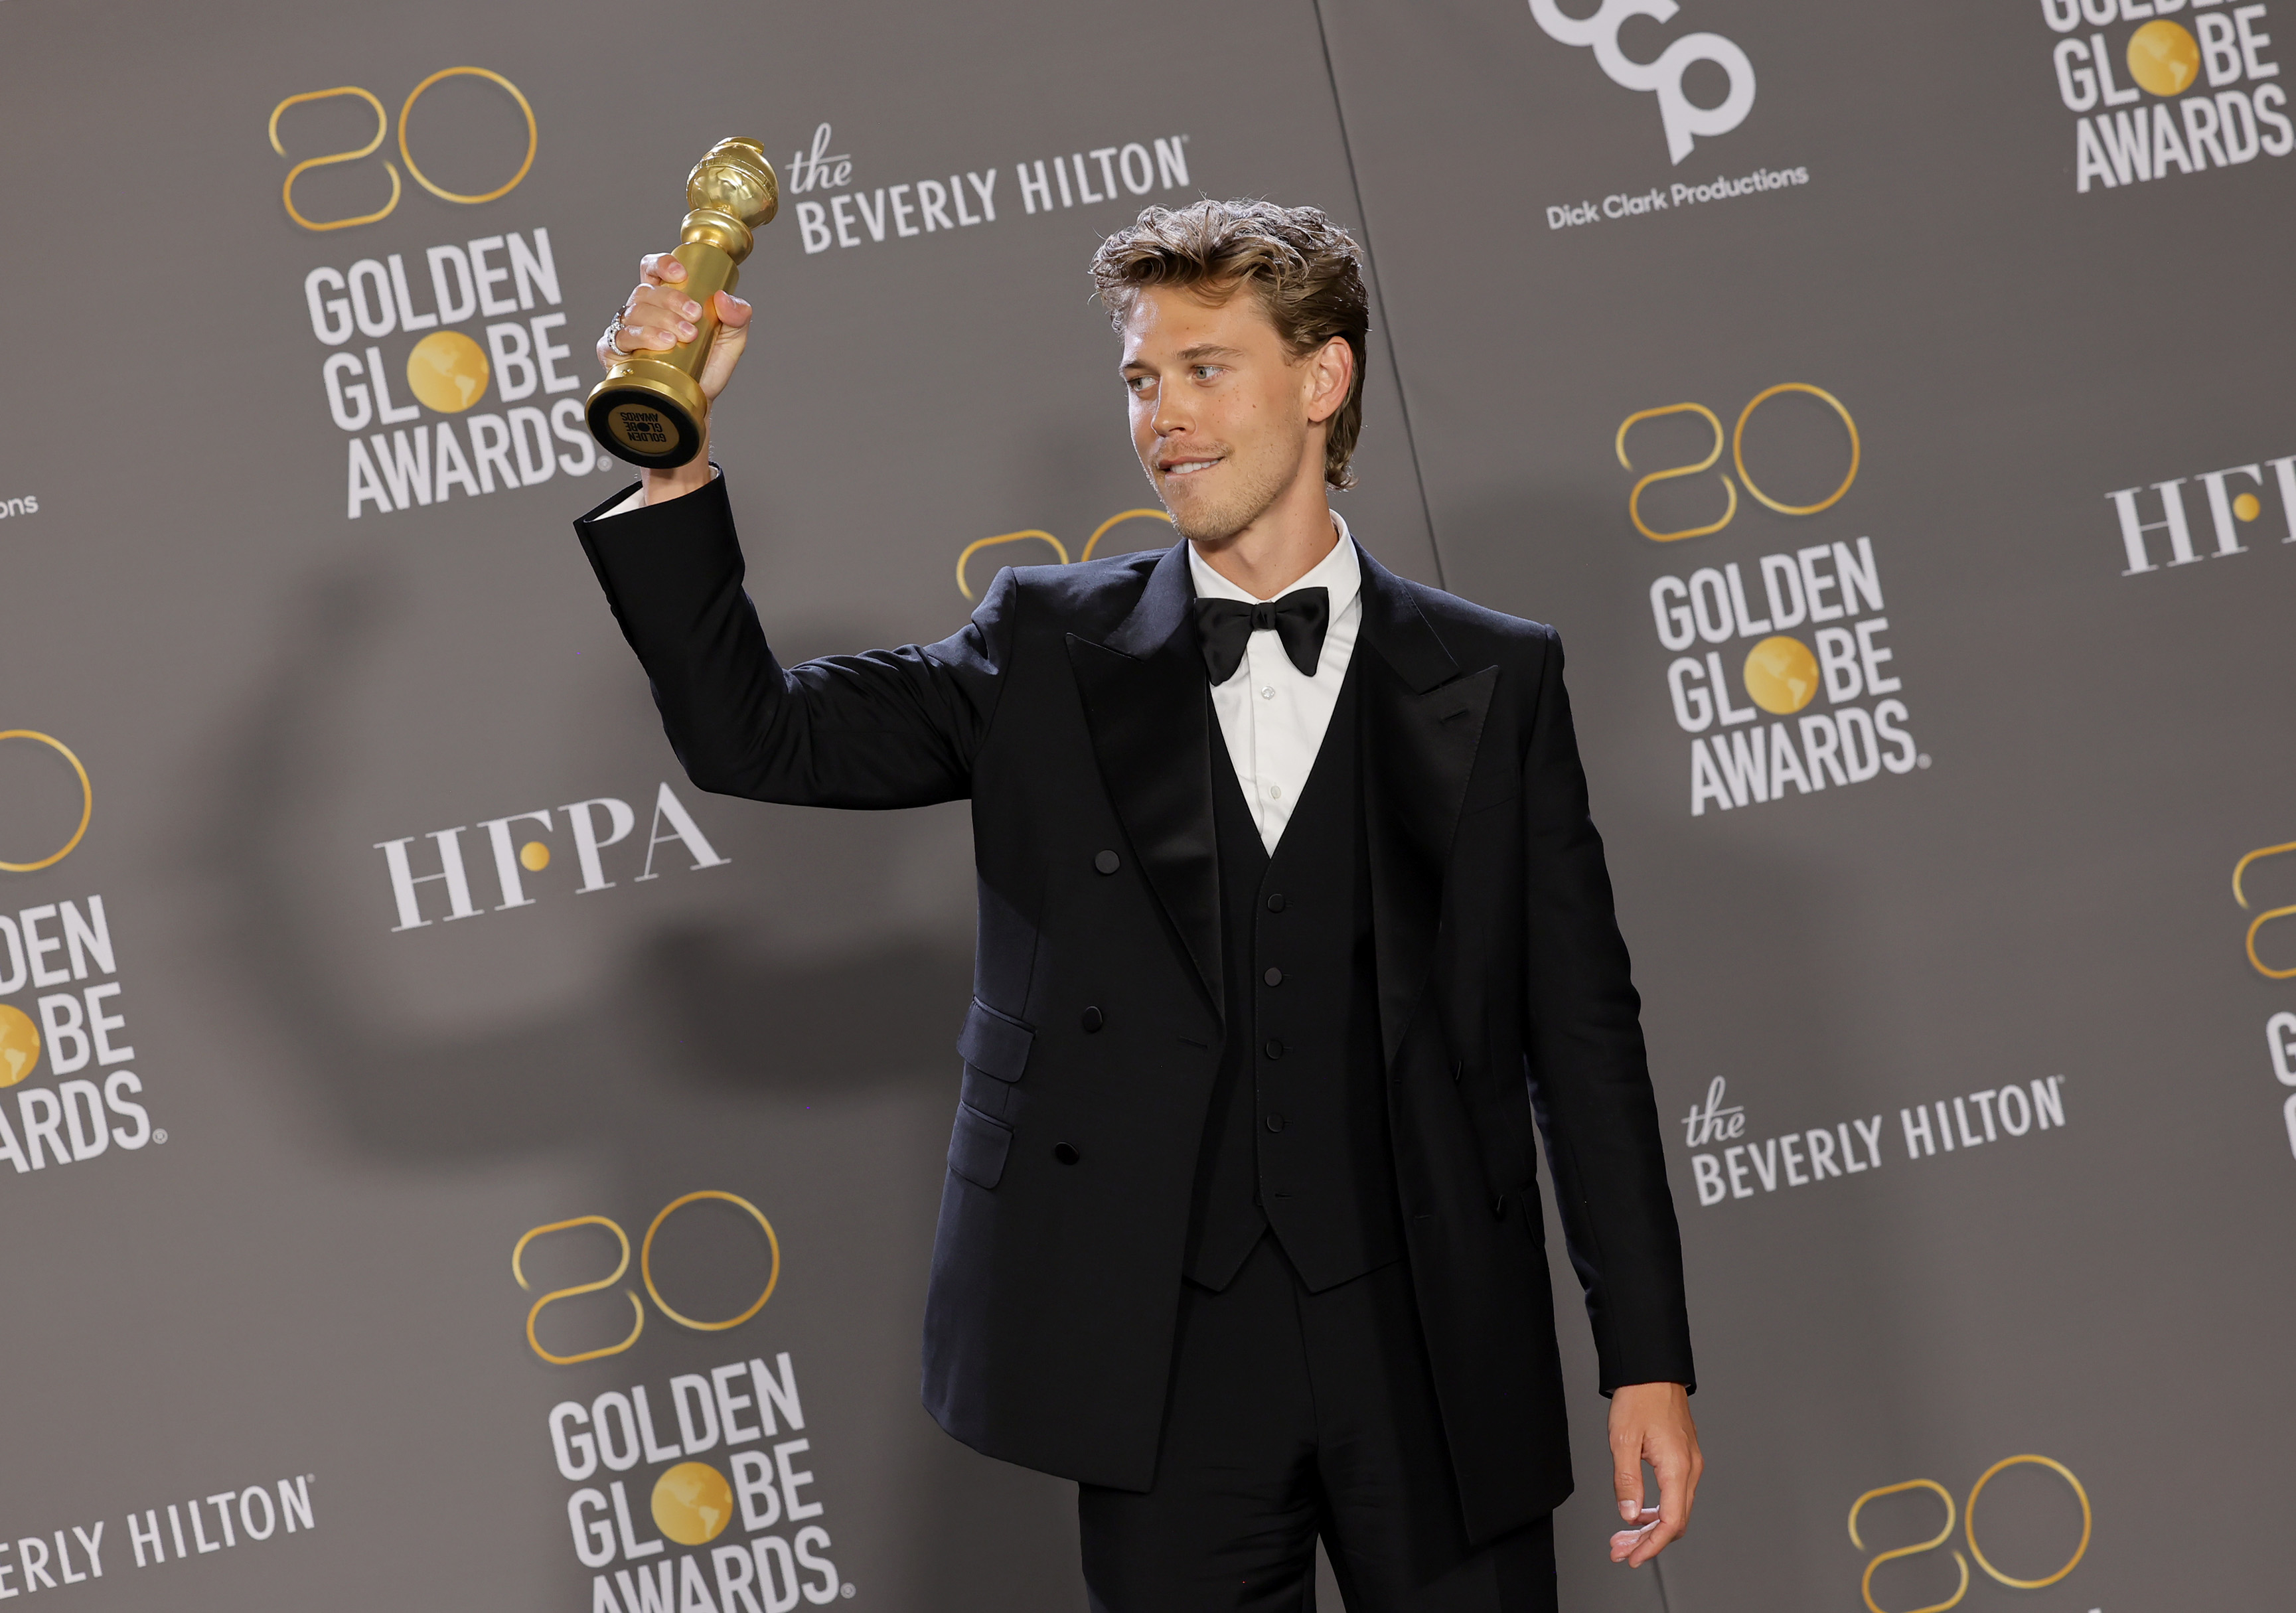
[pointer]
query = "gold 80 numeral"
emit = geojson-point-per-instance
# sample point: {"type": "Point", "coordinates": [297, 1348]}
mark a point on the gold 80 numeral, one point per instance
{"type": "Point", "coordinates": [1737, 440]}
{"type": "Point", "coordinates": [1968, 1514]}
{"type": "Point", "coordinates": [382, 128]}
{"type": "Point", "coordinates": [2238, 895]}
{"type": "Point", "coordinates": [86, 801]}
{"type": "Point", "coordinates": [645, 1271]}
{"type": "Point", "coordinates": [1059, 548]}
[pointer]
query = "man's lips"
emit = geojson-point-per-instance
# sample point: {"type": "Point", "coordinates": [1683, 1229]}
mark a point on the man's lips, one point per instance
{"type": "Point", "coordinates": [1188, 466]}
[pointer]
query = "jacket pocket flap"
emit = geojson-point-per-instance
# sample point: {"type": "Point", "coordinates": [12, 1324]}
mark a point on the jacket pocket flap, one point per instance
{"type": "Point", "coordinates": [994, 1044]}
{"type": "Point", "coordinates": [978, 1146]}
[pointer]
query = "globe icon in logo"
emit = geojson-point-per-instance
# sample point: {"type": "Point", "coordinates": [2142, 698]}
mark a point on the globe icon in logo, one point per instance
{"type": "Point", "coordinates": [448, 371]}
{"type": "Point", "coordinates": [2163, 58]}
{"type": "Point", "coordinates": [692, 1503]}
{"type": "Point", "coordinates": [1781, 674]}
{"type": "Point", "coordinates": [20, 1044]}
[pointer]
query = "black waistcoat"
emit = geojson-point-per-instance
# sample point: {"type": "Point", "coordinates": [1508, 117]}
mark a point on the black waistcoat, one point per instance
{"type": "Point", "coordinates": [1296, 1138]}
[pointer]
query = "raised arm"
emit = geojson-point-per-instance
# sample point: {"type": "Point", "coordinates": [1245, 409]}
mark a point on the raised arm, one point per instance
{"type": "Point", "coordinates": [889, 728]}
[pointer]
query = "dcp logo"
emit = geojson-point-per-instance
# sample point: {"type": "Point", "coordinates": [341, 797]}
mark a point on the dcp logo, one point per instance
{"type": "Point", "coordinates": [1684, 120]}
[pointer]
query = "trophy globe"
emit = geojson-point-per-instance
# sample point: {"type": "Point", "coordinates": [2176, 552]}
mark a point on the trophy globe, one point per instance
{"type": "Point", "coordinates": [649, 409]}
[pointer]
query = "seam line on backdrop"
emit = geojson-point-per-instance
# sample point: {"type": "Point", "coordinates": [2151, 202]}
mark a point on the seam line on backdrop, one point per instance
{"type": "Point", "coordinates": [1379, 298]}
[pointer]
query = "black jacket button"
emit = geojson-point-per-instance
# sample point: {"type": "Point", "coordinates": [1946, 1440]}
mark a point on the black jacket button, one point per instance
{"type": "Point", "coordinates": [1275, 1048]}
{"type": "Point", "coordinates": [1498, 1205]}
{"type": "Point", "coordinates": [1275, 1123]}
{"type": "Point", "coordinates": [1274, 977]}
{"type": "Point", "coordinates": [1093, 1019]}
{"type": "Point", "coordinates": [1276, 902]}
{"type": "Point", "coordinates": [1066, 1155]}
{"type": "Point", "coordinates": [1107, 861]}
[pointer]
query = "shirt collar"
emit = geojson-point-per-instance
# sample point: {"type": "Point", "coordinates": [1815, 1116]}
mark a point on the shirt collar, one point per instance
{"type": "Point", "coordinates": [1340, 572]}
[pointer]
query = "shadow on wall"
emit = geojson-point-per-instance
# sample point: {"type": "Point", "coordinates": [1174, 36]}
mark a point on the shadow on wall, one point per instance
{"type": "Point", "coordinates": [748, 1032]}
{"type": "Point", "coordinates": [753, 1022]}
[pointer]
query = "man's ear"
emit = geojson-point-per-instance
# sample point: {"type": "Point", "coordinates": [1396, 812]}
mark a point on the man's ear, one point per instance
{"type": "Point", "coordinates": [1331, 375]}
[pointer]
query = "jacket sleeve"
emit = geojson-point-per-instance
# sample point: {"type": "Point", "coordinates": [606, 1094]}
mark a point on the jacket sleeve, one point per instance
{"type": "Point", "coordinates": [888, 728]}
{"type": "Point", "coordinates": [1590, 1079]}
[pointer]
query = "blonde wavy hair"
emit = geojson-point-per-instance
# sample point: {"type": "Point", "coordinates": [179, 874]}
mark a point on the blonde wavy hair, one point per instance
{"type": "Point", "coordinates": [1307, 271]}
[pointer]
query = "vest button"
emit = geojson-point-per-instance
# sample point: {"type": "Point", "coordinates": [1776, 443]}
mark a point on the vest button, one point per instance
{"type": "Point", "coordinates": [1093, 1019]}
{"type": "Point", "coordinates": [1066, 1155]}
{"type": "Point", "coordinates": [1274, 977]}
{"type": "Point", "coordinates": [1274, 903]}
{"type": "Point", "coordinates": [1107, 861]}
{"type": "Point", "coordinates": [1275, 1123]}
{"type": "Point", "coordinates": [1275, 1048]}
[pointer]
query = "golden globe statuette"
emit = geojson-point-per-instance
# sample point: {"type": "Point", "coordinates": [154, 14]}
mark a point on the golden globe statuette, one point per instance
{"type": "Point", "coordinates": [650, 409]}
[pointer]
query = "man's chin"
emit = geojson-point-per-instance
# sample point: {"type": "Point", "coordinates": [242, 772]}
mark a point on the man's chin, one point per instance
{"type": "Point", "coordinates": [1210, 507]}
{"type": "Point", "coordinates": [1205, 534]}
{"type": "Point", "coordinates": [1202, 520]}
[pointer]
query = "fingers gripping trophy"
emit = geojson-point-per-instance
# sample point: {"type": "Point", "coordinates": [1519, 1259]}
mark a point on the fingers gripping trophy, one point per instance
{"type": "Point", "coordinates": [674, 341]}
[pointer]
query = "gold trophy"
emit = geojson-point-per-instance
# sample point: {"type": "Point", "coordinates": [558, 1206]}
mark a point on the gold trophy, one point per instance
{"type": "Point", "coordinates": [650, 409]}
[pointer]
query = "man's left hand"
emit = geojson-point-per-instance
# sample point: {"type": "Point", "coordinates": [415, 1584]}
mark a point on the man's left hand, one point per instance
{"type": "Point", "coordinates": [1651, 1422]}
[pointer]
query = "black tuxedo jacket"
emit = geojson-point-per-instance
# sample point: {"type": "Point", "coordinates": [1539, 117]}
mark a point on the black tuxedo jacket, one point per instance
{"type": "Point", "coordinates": [1072, 711]}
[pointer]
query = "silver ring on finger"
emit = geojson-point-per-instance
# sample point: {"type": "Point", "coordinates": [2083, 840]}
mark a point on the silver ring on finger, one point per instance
{"type": "Point", "coordinates": [614, 328]}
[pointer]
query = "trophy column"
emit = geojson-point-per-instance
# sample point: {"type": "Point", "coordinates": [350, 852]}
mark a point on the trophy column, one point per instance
{"type": "Point", "coordinates": [649, 410]}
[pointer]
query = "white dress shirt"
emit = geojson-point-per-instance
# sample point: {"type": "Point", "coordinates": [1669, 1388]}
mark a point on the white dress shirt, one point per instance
{"type": "Point", "coordinates": [1272, 717]}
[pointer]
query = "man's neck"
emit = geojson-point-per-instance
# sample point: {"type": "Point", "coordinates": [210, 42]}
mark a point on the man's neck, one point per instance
{"type": "Point", "coordinates": [1289, 540]}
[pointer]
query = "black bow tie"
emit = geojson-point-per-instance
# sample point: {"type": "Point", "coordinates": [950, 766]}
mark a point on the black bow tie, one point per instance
{"type": "Point", "coordinates": [1298, 619]}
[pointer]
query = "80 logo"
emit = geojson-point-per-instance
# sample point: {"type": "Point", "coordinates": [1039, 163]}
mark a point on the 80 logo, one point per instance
{"type": "Point", "coordinates": [1968, 1517]}
{"type": "Point", "coordinates": [381, 129]}
{"type": "Point", "coordinates": [645, 1271]}
{"type": "Point", "coordinates": [1736, 439]}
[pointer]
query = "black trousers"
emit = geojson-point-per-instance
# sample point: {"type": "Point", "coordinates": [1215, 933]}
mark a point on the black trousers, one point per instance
{"type": "Point", "coordinates": [1292, 1415]}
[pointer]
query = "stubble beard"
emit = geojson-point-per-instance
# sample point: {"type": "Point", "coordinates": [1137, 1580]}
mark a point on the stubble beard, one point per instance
{"type": "Point", "coordinates": [1215, 522]}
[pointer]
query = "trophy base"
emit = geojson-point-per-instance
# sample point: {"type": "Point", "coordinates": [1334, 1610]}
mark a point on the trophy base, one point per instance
{"type": "Point", "coordinates": [649, 414]}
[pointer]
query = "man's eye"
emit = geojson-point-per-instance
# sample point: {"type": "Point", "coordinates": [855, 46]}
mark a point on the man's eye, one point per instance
{"type": "Point", "coordinates": [1205, 372]}
{"type": "Point", "coordinates": [1137, 385]}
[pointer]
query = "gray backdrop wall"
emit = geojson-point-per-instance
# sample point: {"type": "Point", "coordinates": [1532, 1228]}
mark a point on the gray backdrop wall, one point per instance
{"type": "Point", "coordinates": [1887, 403]}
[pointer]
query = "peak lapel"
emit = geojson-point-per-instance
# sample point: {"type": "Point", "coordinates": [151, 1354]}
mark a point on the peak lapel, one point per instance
{"type": "Point", "coordinates": [1423, 724]}
{"type": "Point", "coordinates": [1150, 713]}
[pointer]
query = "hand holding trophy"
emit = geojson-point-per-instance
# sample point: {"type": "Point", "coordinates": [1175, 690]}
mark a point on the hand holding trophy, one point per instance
{"type": "Point", "coordinates": [652, 408]}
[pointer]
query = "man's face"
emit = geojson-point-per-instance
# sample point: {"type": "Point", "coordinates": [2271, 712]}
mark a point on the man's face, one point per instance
{"type": "Point", "coordinates": [1225, 421]}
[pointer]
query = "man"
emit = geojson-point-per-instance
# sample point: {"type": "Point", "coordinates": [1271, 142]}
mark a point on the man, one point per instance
{"type": "Point", "coordinates": [1290, 916]}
